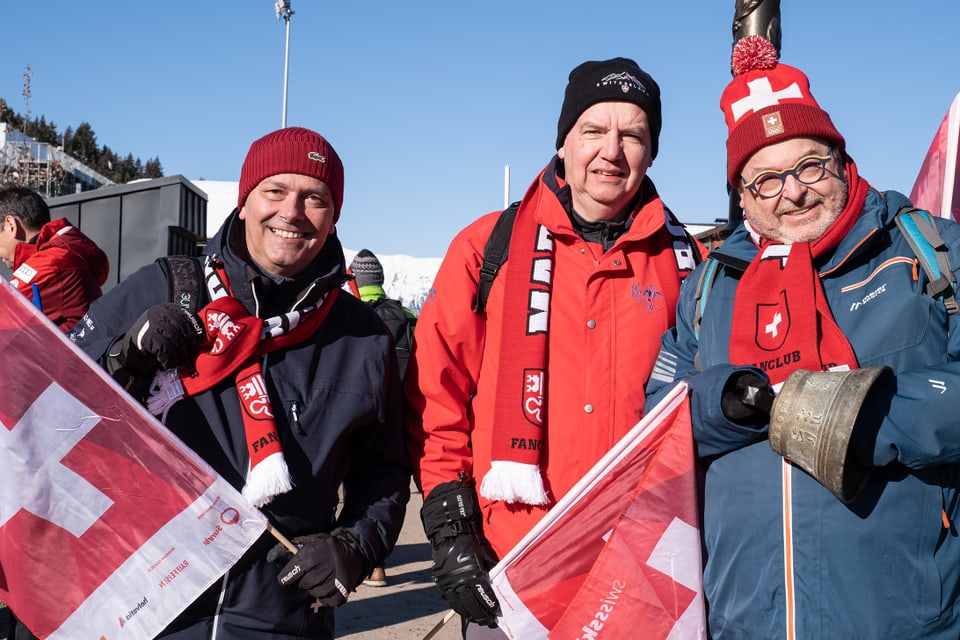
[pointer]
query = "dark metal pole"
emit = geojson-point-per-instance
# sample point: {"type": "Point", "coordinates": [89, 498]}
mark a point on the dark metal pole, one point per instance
{"type": "Point", "coordinates": [751, 17]}
{"type": "Point", "coordinates": [757, 17]}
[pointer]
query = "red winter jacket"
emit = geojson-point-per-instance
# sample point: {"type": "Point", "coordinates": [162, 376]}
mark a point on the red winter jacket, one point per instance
{"type": "Point", "coordinates": [67, 267]}
{"type": "Point", "coordinates": [607, 314]}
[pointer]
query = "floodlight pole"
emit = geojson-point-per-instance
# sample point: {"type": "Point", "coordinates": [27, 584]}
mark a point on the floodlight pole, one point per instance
{"type": "Point", "coordinates": [283, 13]}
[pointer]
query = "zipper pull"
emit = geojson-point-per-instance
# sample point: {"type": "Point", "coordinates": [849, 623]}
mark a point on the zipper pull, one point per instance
{"type": "Point", "coordinates": [295, 419]}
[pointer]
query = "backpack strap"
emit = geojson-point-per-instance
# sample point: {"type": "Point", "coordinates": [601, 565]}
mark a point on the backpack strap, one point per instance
{"type": "Point", "coordinates": [702, 292]}
{"type": "Point", "coordinates": [708, 276]}
{"type": "Point", "coordinates": [185, 278]}
{"type": "Point", "coordinates": [494, 255]}
{"type": "Point", "coordinates": [932, 254]}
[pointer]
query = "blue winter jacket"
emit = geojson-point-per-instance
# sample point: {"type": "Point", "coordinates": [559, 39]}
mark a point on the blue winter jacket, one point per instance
{"type": "Point", "coordinates": [887, 565]}
{"type": "Point", "coordinates": [337, 403]}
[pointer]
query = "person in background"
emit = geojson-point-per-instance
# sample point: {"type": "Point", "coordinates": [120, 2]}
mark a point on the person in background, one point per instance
{"type": "Point", "coordinates": [55, 265]}
{"type": "Point", "coordinates": [819, 278]}
{"type": "Point", "coordinates": [368, 277]}
{"type": "Point", "coordinates": [560, 357]}
{"type": "Point", "coordinates": [367, 284]}
{"type": "Point", "coordinates": [324, 367]}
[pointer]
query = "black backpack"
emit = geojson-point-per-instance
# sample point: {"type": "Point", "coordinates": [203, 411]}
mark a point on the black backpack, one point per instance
{"type": "Point", "coordinates": [401, 325]}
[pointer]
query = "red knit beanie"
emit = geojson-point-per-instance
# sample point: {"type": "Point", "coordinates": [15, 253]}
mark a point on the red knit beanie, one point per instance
{"type": "Point", "coordinates": [767, 102]}
{"type": "Point", "coordinates": [292, 150]}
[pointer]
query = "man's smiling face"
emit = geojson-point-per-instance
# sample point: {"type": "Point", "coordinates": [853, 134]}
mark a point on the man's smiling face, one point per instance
{"type": "Point", "coordinates": [288, 218]}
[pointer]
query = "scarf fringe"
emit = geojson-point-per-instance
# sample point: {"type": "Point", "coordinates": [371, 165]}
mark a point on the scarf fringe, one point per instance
{"type": "Point", "coordinates": [165, 391]}
{"type": "Point", "coordinates": [514, 482]}
{"type": "Point", "coordinates": [269, 478]}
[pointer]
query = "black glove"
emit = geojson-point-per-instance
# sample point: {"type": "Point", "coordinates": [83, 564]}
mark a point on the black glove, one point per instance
{"type": "Point", "coordinates": [328, 566]}
{"type": "Point", "coordinates": [746, 399]}
{"type": "Point", "coordinates": [165, 336]}
{"type": "Point", "coordinates": [461, 555]}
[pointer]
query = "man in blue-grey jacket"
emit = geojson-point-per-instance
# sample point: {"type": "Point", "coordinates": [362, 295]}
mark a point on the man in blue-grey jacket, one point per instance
{"type": "Point", "coordinates": [818, 278]}
{"type": "Point", "coordinates": [290, 388]}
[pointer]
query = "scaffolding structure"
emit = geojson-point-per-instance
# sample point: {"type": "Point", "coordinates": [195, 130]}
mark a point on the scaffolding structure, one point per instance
{"type": "Point", "coordinates": [43, 167]}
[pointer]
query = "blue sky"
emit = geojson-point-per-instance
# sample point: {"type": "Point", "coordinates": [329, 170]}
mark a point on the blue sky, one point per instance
{"type": "Point", "coordinates": [428, 101]}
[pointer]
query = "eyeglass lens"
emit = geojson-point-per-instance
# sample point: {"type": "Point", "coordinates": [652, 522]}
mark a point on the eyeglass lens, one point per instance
{"type": "Point", "coordinates": [808, 170]}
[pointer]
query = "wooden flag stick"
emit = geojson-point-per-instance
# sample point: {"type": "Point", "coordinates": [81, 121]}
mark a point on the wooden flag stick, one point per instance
{"type": "Point", "coordinates": [447, 618]}
{"type": "Point", "coordinates": [282, 538]}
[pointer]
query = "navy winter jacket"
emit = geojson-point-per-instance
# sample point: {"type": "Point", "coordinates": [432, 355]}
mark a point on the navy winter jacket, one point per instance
{"type": "Point", "coordinates": [337, 403]}
{"type": "Point", "coordinates": [887, 565]}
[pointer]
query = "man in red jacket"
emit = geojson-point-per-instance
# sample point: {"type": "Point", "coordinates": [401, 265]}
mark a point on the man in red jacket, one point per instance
{"type": "Point", "coordinates": [53, 263]}
{"type": "Point", "coordinates": [508, 409]}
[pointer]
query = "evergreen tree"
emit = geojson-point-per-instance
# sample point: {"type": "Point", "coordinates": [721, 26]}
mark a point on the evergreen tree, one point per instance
{"type": "Point", "coordinates": [81, 144]}
{"type": "Point", "coordinates": [153, 169]}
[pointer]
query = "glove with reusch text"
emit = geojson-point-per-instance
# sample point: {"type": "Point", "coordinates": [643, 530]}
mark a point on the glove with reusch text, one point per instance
{"type": "Point", "coordinates": [328, 566]}
{"type": "Point", "coordinates": [165, 336]}
{"type": "Point", "coordinates": [461, 555]}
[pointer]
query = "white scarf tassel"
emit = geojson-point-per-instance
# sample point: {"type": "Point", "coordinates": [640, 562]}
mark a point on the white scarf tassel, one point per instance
{"type": "Point", "coordinates": [267, 479]}
{"type": "Point", "coordinates": [514, 482]}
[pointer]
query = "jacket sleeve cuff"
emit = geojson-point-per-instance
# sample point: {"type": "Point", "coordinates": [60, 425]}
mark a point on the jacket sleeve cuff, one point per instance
{"type": "Point", "coordinates": [713, 432]}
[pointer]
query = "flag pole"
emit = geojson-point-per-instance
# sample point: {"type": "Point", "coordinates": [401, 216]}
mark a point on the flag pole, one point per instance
{"type": "Point", "coordinates": [292, 548]}
{"type": "Point", "coordinates": [436, 629]}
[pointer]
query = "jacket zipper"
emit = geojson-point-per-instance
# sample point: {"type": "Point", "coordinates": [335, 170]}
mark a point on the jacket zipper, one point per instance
{"type": "Point", "coordinates": [295, 419]}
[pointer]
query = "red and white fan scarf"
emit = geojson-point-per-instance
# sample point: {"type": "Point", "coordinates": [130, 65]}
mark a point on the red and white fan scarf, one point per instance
{"type": "Point", "coordinates": [234, 342]}
{"type": "Point", "coordinates": [781, 305]}
{"type": "Point", "coordinates": [520, 404]}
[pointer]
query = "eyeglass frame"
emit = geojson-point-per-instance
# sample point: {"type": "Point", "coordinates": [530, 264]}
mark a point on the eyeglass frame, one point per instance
{"type": "Point", "coordinates": [786, 173]}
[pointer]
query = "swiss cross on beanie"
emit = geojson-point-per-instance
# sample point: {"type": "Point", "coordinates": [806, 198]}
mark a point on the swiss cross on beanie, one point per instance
{"type": "Point", "coordinates": [292, 150]}
{"type": "Point", "coordinates": [766, 103]}
{"type": "Point", "coordinates": [615, 80]}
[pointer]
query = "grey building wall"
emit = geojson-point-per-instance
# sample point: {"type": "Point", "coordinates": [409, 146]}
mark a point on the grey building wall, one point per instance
{"type": "Point", "coordinates": [137, 223]}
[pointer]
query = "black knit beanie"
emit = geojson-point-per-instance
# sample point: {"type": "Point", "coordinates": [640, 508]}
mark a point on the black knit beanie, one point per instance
{"type": "Point", "coordinates": [615, 80]}
{"type": "Point", "coordinates": [366, 269]}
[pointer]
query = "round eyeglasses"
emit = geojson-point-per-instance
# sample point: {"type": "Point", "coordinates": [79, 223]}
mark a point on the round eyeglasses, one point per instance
{"type": "Point", "coordinates": [808, 170]}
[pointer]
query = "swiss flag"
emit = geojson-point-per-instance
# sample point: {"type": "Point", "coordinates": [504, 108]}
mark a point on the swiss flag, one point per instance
{"type": "Point", "coordinates": [937, 188]}
{"type": "Point", "coordinates": [619, 556]}
{"type": "Point", "coordinates": [106, 520]}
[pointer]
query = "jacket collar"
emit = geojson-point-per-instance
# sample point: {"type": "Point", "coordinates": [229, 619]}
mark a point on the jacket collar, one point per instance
{"type": "Point", "coordinates": [647, 213]}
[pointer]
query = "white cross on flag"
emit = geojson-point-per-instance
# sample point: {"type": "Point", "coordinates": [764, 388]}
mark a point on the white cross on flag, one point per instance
{"type": "Point", "coordinates": [109, 525]}
{"type": "Point", "coordinates": [618, 556]}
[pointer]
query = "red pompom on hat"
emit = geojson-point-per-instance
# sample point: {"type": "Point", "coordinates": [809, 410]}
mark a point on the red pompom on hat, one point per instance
{"type": "Point", "coordinates": [768, 102]}
{"type": "Point", "coordinates": [292, 150]}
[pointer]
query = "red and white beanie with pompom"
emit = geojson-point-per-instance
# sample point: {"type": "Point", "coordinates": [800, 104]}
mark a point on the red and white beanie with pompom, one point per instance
{"type": "Point", "coordinates": [768, 102]}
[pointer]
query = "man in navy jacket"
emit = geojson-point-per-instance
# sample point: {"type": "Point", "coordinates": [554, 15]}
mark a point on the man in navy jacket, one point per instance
{"type": "Point", "coordinates": [313, 404]}
{"type": "Point", "coordinates": [818, 278]}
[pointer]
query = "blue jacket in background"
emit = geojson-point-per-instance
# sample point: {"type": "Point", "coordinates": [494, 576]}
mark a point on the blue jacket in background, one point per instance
{"type": "Point", "coordinates": [887, 565]}
{"type": "Point", "coordinates": [337, 404]}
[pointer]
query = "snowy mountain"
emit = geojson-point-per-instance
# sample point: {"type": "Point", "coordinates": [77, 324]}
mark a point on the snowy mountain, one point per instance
{"type": "Point", "coordinates": [405, 278]}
